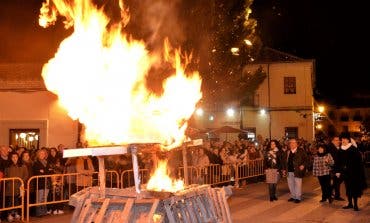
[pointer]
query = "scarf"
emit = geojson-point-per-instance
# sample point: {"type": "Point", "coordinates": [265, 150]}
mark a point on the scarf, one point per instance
{"type": "Point", "coordinates": [346, 147]}
{"type": "Point", "coordinates": [272, 156]}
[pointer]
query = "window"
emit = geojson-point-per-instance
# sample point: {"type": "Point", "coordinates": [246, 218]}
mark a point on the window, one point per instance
{"type": "Point", "coordinates": [331, 115]}
{"type": "Point", "coordinates": [357, 116]}
{"type": "Point", "coordinates": [291, 132]}
{"type": "Point", "coordinates": [289, 85]}
{"type": "Point", "coordinates": [250, 133]}
{"type": "Point", "coordinates": [344, 117]}
{"type": "Point", "coordinates": [251, 100]}
{"type": "Point", "coordinates": [331, 130]}
{"type": "Point", "coordinates": [28, 138]}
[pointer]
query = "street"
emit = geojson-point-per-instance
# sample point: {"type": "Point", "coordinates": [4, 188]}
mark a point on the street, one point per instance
{"type": "Point", "coordinates": [251, 204]}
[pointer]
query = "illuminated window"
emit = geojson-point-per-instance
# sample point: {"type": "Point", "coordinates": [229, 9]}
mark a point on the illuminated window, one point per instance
{"type": "Point", "coordinates": [28, 138]}
{"type": "Point", "coordinates": [289, 85]}
{"type": "Point", "coordinates": [291, 132]}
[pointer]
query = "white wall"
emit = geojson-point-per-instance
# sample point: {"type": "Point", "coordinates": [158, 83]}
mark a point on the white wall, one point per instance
{"type": "Point", "coordinates": [36, 110]}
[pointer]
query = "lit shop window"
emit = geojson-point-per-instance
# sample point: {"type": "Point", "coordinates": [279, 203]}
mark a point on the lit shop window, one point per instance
{"type": "Point", "coordinates": [28, 138]}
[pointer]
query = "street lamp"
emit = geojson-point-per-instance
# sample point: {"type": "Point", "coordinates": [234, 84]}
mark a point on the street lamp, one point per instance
{"type": "Point", "coordinates": [319, 126]}
{"type": "Point", "coordinates": [321, 109]}
{"type": "Point", "coordinates": [263, 112]}
{"type": "Point", "coordinates": [199, 112]}
{"type": "Point", "coordinates": [230, 112]}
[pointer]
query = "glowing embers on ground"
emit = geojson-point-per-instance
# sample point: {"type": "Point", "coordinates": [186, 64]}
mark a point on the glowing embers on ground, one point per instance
{"type": "Point", "coordinates": [99, 75]}
{"type": "Point", "coordinates": [160, 181]}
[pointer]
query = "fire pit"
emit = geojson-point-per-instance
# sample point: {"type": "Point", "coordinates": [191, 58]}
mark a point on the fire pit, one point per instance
{"type": "Point", "coordinates": [196, 203]}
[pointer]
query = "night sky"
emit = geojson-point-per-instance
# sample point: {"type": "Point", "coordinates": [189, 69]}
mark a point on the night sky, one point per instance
{"type": "Point", "coordinates": [331, 32]}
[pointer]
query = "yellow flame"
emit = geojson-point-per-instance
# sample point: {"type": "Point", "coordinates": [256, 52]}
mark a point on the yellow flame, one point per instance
{"type": "Point", "coordinates": [160, 181]}
{"type": "Point", "coordinates": [100, 75]}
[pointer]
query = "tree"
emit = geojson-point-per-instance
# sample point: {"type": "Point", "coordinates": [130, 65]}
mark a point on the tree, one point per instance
{"type": "Point", "coordinates": [234, 43]}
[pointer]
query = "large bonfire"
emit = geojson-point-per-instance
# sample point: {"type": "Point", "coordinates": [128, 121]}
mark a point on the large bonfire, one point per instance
{"type": "Point", "coordinates": [99, 74]}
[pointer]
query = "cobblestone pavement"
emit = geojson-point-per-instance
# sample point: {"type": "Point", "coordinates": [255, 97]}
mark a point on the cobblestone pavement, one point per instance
{"type": "Point", "coordinates": [251, 204]}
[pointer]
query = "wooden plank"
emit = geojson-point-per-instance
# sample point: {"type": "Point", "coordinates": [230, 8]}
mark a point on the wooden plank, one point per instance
{"type": "Point", "coordinates": [125, 214]}
{"type": "Point", "coordinates": [213, 200]}
{"type": "Point", "coordinates": [210, 207]}
{"type": "Point", "coordinates": [186, 218]}
{"type": "Point", "coordinates": [223, 210]}
{"type": "Point", "coordinates": [192, 210]}
{"type": "Point", "coordinates": [202, 208]}
{"type": "Point", "coordinates": [91, 214]}
{"type": "Point", "coordinates": [225, 205]}
{"type": "Point", "coordinates": [170, 213]}
{"type": "Point", "coordinates": [152, 210]}
{"type": "Point", "coordinates": [99, 218]}
{"type": "Point", "coordinates": [96, 151]}
{"type": "Point", "coordinates": [101, 176]}
{"type": "Point", "coordinates": [113, 216]}
{"type": "Point", "coordinates": [79, 206]}
{"type": "Point", "coordinates": [85, 209]}
{"type": "Point", "coordinates": [124, 200]}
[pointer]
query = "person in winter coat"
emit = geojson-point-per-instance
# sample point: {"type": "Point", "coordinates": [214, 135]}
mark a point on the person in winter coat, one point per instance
{"type": "Point", "coordinates": [351, 169]}
{"type": "Point", "coordinates": [13, 190]}
{"type": "Point", "coordinates": [322, 163]}
{"type": "Point", "coordinates": [42, 185]}
{"type": "Point", "coordinates": [295, 162]}
{"type": "Point", "coordinates": [273, 165]}
{"type": "Point", "coordinates": [333, 149]}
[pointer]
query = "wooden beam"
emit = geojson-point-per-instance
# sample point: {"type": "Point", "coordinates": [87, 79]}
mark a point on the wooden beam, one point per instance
{"type": "Point", "coordinates": [95, 151]}
{"type": "Point", "coordinates": [125, 214]}
{"type": "Point", "coordinates": [101, 176]}
{"type": "Point", "coordinates": [99, 218]}
{"type": "Point", "coordinates": [152, 210]}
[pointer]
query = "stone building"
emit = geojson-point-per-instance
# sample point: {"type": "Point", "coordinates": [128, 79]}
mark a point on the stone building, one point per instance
{"type": "Point", "coordinates": [282, 105]}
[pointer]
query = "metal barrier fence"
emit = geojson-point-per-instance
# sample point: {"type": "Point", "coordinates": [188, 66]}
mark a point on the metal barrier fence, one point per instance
{"type": "Point", "coordinates": [56, 189]}
{"type": "Point", "coordinates": [193, 174]}
{"type": "Point", "coordinates": [12, 195]}
{"type": "Point", "coordinates": [251, 169]}
{"type": "Point", "coordinates": [213, 174]}
{"type": "Point", "coordinates": [52, 190]}
{"type": "Point", "coordinates": [127, 177]}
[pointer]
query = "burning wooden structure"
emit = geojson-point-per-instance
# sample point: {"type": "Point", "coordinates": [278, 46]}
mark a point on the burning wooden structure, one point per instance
{"type": "Point", "coordinates": [196, 203]}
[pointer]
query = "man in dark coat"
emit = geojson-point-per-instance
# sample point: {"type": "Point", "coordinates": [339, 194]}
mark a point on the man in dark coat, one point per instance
{"type": "Point", "coordinates": [294, 165]}
{"type": "Point", "coordinates": [333, 149]}
{"type": "Point", "coordinates": [351, 169]}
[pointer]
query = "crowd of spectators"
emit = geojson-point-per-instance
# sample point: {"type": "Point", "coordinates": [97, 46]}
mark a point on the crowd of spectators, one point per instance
{"type": "Point", "coordinates": [23, 163]}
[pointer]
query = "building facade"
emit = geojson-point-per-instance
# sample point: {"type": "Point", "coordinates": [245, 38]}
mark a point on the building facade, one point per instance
{"type": "Point", "coordinates": [345, 119]}
{"type": "Point", "coordinates": [30, 116]}
{"type": "Point", "coordinates": [282, 106]}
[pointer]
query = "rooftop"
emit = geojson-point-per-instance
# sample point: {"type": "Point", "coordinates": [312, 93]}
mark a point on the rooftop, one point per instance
{"type": "Point", "coordinates": [21, 77]}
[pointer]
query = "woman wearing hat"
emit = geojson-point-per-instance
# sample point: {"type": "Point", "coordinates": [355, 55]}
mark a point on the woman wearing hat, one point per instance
{"type": "Point", "coordinates": [352, 170]}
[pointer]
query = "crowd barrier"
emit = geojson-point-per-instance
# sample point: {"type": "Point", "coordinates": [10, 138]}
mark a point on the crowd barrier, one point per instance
{"type": "Point", "coordinates": [47, 190]}
{"type": "Point", "coordinates": [12, 191]}
{"type": "Point", "coordinates": [57, 188]}
{"type": "Point", "coordinates": [213, 174]}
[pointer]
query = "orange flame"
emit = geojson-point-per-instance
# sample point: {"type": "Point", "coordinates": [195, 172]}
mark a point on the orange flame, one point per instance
{"type": "Point", "coordinates": [99, 76]}
{"type": "Point", "coordinates": [160, 181]}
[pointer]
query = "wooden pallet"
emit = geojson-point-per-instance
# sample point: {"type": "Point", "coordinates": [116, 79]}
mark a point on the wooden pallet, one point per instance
{"type": "Point", "coordinates": [196, 204]}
